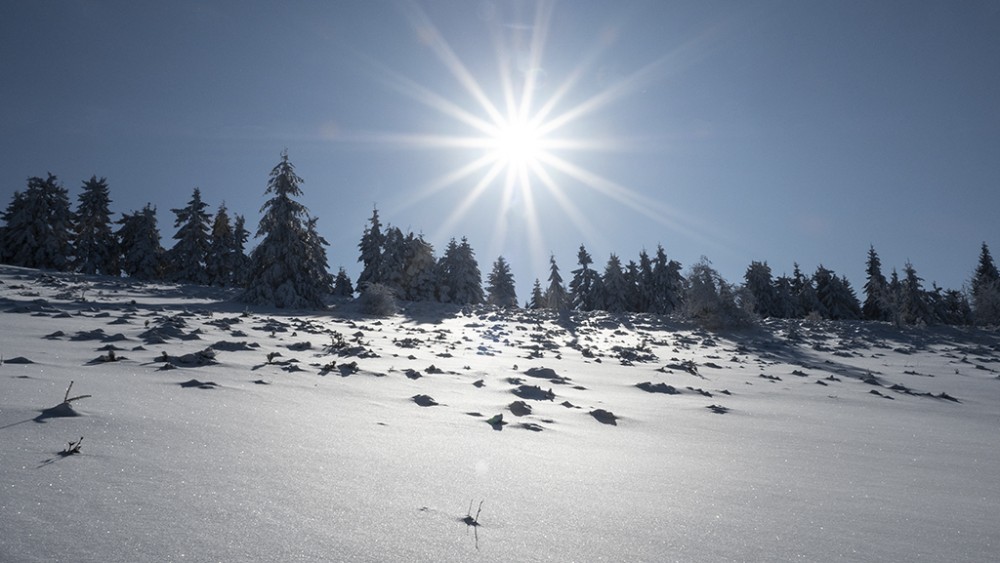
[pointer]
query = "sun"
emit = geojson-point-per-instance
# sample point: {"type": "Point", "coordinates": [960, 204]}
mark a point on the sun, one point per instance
{"type": "Point", "coordinates": [518, 143]}
{"type": "Point", "coordinates": [525, 136]}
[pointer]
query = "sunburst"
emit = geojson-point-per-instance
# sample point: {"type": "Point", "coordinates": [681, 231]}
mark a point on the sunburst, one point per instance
{"type": "Point", "coordinates": [519, 139]}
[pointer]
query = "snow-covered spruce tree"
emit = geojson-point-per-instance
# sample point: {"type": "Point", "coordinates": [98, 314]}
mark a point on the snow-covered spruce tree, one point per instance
{"type": "Point", "coordinates": [710, 301]}
{"type": "Point", "coordinates": [668, 284]}
{"type": "Point", "coordinates": [537, 300]}
{"type": "Point", "coordinates": [632, 297]}
{"type": "Point", "coordinates": [371, 252]}
{"type": "Point", "coordinates": [7, 234]}
{"type": "Point", "coordinates": [613, 286]}
{"type": "Point", "coordinates": [186, 260]}
{"type": "Point", "coordinates": [342, 286]}
{"type": "Point", "coordinates": [500, 289]}
{"type": "Point", "coordinates": [222, 260]}
{"type": "Point", "coordinates": [421, 270]}
{"type": "Point", "coordinates": [760, 286]}
{"type": "Point", "coordinates": [836, 297]}
{"type": "Point", "coordinates": [288, 267]}
{"type": "Point", "coordinates": [952, 307]}
{"type": "Point", "coordinates": [645, 290]}
{"type": "Point", "coordinates": [784, 298]}
{"type": "Point", "coordinates": [392, 265]}
{"type": "Point", "coordinates": [876, 305]}
{"type": "Point", "coordinates": [468, 284]}
{"type": "Point", "coordinates": [39, 226]}
{"type": "Point", "coordinates": [139, 241]}
{"type": "Point", "coordinates": [585, 287]}
{"type": "Point", "coordinates": [240, 237]}
{"type": "Point", "coordinates": [96, 247]}
{"type": "Point", "coordinates": [913, 305]}
{"type": "Point", "coordinates": [986, 289]}
{"type": "Point", "coordinates": [806, 300]}
{"type": "Point", "coordinates": [555, 295]}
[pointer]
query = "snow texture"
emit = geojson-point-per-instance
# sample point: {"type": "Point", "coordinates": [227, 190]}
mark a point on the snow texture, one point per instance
{"type": "Point", "coordinates": [306, 437]}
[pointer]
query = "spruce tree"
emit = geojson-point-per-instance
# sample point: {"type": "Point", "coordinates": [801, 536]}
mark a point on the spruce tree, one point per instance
{"type": "Point", "coordinates": [139, 241]}
{"type": "Point", "coordinates": [584, 288]}
{"type": "Point", "coordinates": [14, 219]}
{"type": "Point", "coordinates": [613, 286]}
{"type": "Point", "coordinates": [242, 262]}
{"type": "Point", "coordinates": [288, 267]}
{"type": "Point", "coordinates": [186, 261]}
{"type": "Point", "coordinates": [914, 308]}
{"type": "Point", "coordinates": [876, 288]}
{"type": "Point", "coordinates": [96, 247]}
{"type": "Point", "coordinates": [555, 295]}
{"type": "Point", "coordinates": [760, 286]}
{"type": "Point", "coordinates": [342, 286]}
{"type": "Point", "coordinates": [667, 285]}
{"type": "Point", "coordinates": [420, 275]}
{"type": "Point", "coordinates": [500, 289]}
{"type": "Point", "coordinates": [39, 227]}
{"type": "Point", "coordinates": [537, 300]}
{"type": "Point", "coordinates": [986, 289]}
{"type": "Point", "coordinates": [469, 286]}
{"type": "Point", "coordinates": [371, 252]}
{"type": "Point", "coordinates": [632, 295]}
{"type": "Point", "coordinates": [222, 260]}
{"type": "Point", "coordinates": [645, 284]}
{"type": "Point", "coordinates": [392, 266]}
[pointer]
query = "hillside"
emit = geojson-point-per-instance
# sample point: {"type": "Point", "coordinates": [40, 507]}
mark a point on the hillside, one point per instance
{"type": "Point", "coordinates": [213, 432]}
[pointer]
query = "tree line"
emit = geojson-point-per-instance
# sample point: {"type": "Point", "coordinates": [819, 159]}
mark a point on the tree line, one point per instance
{"type": "Point", "coordinates": [288, 267]}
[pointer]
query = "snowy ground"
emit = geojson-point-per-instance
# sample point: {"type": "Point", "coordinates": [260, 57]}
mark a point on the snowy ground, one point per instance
{"type": "Point", "coordinates": [219, 433]}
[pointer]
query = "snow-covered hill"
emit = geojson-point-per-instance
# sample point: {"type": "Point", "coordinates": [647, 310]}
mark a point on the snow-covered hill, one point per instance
{"type": "Point", "coordinates": [217, 433]}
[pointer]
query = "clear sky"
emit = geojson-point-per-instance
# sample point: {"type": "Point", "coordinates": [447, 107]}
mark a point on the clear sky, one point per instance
{"type": "Point", "coordinates": [799, 131]}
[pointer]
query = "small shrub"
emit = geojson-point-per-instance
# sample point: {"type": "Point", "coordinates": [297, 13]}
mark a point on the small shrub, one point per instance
{"type": "Point", "coordinates": [378, 300]}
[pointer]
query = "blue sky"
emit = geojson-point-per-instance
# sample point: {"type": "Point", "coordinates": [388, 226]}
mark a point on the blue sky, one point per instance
{"type": "Point", "coordinates": [789, 132]}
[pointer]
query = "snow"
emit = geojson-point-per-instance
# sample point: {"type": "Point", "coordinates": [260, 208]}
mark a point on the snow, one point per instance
{"type": "Point", "coordinates": [285, 460]}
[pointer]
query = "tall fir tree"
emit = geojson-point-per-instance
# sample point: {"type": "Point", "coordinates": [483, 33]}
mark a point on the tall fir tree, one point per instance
{"type": "Point", "coordinates": [876, 305]}
{"type": "Point", "coordinates": [240, 238]}
{"type": "Point", "coordinates": [613, 288]}
{"type": "Point", "coordinates": [392, 266]}
{"type": "Point", "coordinates": [139, 242]}
{"type": "Point", "coordinates": [555, 294]}
{"type": "Point", "coordinates": [500, 290]}
{"type": "Point", "coordinates": [460, 281]}
{"type": "Point", "coordinates": [222, 259]}
{"type": "Point", "coordinates": [186, 261]}
{"type": "Point", "coordinates": [288, 267]}
{"type": "Point", "coordinates": [537, 300]}
{"type": "Point", "coordinates": [371, 252]}
{"type": "Point", "coordinates": [667, 283]}
{"type": "Point", "coordinates": [760, 285]}
{"type": "Point", "coordinates": [39, 226]}
{"type": "Point", "coordinates": [420, 274]}
{"type": "Point", "coordinates": [584, 287]}
{"type": "Point", "coordinates": [913, 305]}
{"type": "Point", "coordinates": [14, 218]}
{"type": "Point", "coordinates": [986, 289]}
{"type": "Point", "coordinates": [96, 247]}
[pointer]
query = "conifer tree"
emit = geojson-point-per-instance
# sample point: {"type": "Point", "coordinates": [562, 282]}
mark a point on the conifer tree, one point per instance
{"type": "Point", "coordinates": [584, 288]}
{"type": "Point", "coordinates": [240, 237]}
{"type": "Point", "coordinates": [421, 270]}
{"type": "Point", "coordinates": [613, 286]}
{"type": "Point", "coordinates": [876, 305]}
{"type": "Point", "coordinates": [760, 286]}
{"type": "Point", "coordinates": [986, 289]}
{"type": "Point", "coordinates": [39, 226]}
{"type": "Point", "coordinates": [537, 300]}
{"type": "Point", "coordinates": [645, 285]}
{"type": "Point", "coordinates": [139, 241]}
{"type": "Point", "coordinates": [500, 289]}
{"type": "Point", "coordinates": [555, 295]}
{"type": "Point", "coordinates": [288, 269]}
{"type": "Point", "coordinates": [96, 247]}
{"type": "Point", "coordinates": [469, 287]}
{"type": "Point", "coordinates": [10, 216]}
{"type": "Point", "coordinates": [222, 259]}
{"type": "Point", "coordinates": [392, 264]}
{"type": "Point", "coordinates": [371, 252]}
{"type": "Point", "coordinates": [342, 286]}
{"type": "Point", "coordinates": [632, 296]}
{"type": "Point", "coordinates": [187, 259]}
{"type": "Point", "coordinates": [668, 284]}
{"type": "Point", "coordinates": [914, 308]}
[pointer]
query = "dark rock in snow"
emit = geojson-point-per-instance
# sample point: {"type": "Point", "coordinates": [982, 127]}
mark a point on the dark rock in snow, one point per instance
{"type": "Point", "coordinates": [198, 384]}
{"type": "Point", "coordinates": [424, 400]}
{"type": "Point", "coordinates": [651, 387]}
{"type": "Point", "coordinates": [519, 408]}
{"type": "Point", "coordinates": [534, 393]}
{"type": "Point", "coordinates": [604, 417]}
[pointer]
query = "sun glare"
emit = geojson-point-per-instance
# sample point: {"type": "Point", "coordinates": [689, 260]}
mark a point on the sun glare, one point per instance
{"type": "Point", "coordinates": [520, 135]}
{"type": "Point", "coordinates": [518, 143]}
